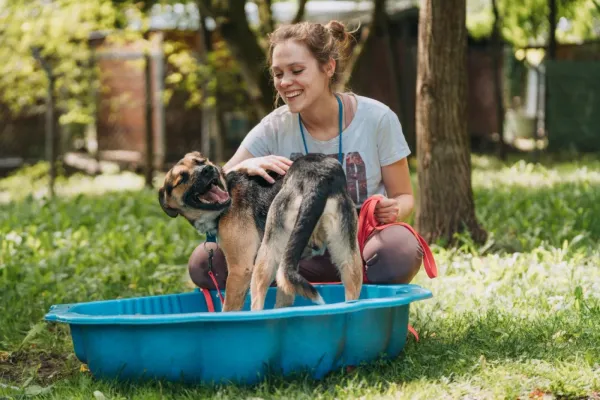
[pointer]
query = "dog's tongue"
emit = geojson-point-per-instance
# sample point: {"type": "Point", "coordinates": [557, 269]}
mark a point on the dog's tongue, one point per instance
{"type": "Point", "coordinates": [216, 194]}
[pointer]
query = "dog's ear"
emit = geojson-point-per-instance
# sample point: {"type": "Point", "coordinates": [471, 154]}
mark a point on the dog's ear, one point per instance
{"type": "Point", "coordinates": [171, 212]}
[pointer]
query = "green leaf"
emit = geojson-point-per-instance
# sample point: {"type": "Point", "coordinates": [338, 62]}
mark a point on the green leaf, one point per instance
{"type": "Point", "coordinates": [33, 332]}
{"type": "Point", "coordinates": [98, 395]}
{"type": "Point", "coordinates": [35, 390]}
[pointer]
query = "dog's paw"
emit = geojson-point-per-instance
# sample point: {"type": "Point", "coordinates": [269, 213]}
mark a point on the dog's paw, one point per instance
{"type": "Point", "coordinates": [319, 300]}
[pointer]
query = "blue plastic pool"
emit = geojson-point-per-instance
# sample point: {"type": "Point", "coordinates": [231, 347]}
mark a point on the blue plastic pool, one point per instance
{"type": "Point", "coordinates": [174, 337]}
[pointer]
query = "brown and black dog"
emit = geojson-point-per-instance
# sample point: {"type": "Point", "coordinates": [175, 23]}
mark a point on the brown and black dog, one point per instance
{"type": "Point", "coordinates": [265, 229]}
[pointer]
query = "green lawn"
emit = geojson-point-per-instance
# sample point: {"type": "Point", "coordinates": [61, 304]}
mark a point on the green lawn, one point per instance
{"type": "Point", "coordinates": [515, 318]}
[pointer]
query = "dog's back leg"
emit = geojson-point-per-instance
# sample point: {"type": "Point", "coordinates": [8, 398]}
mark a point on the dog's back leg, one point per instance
{"type": "Point", "coordinates": [340, 223]}
{"type": "Point", "coordinates": [265, 268]}
{"type": "Point", "coordinates": [263, 275]}
{"type": "Point", "coordinates": [269, 254]}
{"type": "Point", "coordinates": [283, 299]}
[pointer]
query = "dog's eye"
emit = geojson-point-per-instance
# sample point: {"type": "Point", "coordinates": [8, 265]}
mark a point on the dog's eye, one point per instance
{"type": "Point", "coordinates": [198, 161]}
{"type": "Point", "coordinates": [184, 177]}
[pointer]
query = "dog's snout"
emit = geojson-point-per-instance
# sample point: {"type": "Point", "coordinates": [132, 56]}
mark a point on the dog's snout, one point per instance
{"type": "Point", "coordinates": [207, 171]}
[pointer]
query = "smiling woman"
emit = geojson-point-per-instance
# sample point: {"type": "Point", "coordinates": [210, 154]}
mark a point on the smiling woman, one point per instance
{"type": "Point", "coordinates": [307, 61]}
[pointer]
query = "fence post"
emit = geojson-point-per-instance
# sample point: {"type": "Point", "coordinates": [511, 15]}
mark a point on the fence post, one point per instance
{"type": "Point", "coordinates": [50, 123]}
{"type": "Point", "coordinates": [149, 170]}
{"type": "Point", "coordinates": [50, 140]}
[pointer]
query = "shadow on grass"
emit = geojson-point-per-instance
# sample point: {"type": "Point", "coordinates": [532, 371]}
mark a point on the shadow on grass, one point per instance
{"type": "Point", "coordinates": [456, 346]}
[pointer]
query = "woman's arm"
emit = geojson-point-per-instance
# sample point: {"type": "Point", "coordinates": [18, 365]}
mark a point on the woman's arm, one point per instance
{"type": "Point", "coordinates": [399, 204]}
{"type": "Point", "coordinates": [240, 155]}
{"type": "Point", "coordinates": [244, 161]}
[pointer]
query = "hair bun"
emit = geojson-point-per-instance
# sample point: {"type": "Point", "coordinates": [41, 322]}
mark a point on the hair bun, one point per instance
{"type": "Point", "coordinates": [337, 29]}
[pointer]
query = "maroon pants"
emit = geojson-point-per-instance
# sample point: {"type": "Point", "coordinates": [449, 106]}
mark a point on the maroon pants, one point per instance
{"type": "Point", "coordinates": [393, 255]}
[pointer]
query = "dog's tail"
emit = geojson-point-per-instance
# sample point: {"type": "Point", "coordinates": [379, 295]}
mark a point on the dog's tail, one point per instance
{"type": "Point", "coordinates": [288, 275]}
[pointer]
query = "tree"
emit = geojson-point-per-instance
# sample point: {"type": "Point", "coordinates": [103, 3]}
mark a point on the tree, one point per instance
{"type": "Point", "coordinates": [527, 22]}
{"type": "Point", "coordinates": [40, 25]}
{"type": "Point", "coordinates": [445, 199]}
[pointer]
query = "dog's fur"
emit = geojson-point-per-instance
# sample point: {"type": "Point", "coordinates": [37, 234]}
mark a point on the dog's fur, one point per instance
{"type": "Point", "coordinates": [265, 229]}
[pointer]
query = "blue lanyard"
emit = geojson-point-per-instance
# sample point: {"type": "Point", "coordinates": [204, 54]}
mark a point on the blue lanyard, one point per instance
{"type": "Point", "coordinates": [340, 111]}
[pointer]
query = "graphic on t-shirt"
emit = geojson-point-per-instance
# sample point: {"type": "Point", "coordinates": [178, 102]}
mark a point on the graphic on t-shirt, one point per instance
{"type": "Point", "coordinates": [356, 175]}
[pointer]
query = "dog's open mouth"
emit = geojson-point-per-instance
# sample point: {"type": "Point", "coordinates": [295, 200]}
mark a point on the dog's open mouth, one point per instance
{"type": "Point", "coordinates": [215, 195]}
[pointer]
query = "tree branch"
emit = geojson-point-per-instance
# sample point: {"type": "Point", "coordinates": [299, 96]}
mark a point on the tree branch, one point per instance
{"type": "Point", "coordinates": [206, 9]}
{"type": "Point", "coordinates": [265, 15]}
{"type": "Point", "coordinates": [300, 13]}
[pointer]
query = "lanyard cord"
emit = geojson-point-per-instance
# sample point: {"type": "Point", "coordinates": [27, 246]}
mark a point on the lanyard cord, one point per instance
{"type": "Point", "coordinates": [340, 112]}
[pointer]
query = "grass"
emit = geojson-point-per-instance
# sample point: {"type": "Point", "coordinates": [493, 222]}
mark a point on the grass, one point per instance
{"type": "Point", "coordinates": [514, 318]}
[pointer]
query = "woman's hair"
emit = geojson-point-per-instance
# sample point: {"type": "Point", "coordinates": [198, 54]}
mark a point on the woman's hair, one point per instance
{"type": "Point", "coordinates": [323, 41]}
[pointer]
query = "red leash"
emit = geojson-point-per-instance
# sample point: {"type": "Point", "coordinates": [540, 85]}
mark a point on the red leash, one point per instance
{"type": "Point", "coordinates": [210, 306]}
{"type": "Point", "coordinates": [367, 225]}
{"type": "Point", "coordinates": [209, 303]}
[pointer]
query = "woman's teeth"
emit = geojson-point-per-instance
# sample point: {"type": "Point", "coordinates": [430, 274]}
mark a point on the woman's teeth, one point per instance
{"type": "Point", "coordinates": [294, 94]}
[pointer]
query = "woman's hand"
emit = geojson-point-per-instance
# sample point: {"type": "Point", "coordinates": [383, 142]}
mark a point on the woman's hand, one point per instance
{"type": "Point", "coordinates": [387, 210]}
{"type": "Point", "coordinates": [400, 201]}
{"type": "Point", "coordinates": [260, 166]}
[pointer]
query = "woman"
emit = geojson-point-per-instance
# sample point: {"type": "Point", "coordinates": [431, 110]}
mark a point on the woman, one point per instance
{"type": "Point", "coordinates": [306, 61]}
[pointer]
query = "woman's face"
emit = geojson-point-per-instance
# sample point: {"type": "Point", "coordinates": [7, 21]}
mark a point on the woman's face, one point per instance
{"type": "Point", "coordinates": [297, 76]}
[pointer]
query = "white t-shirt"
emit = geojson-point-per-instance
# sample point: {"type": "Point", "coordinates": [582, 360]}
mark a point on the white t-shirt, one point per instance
{"type": "Point", "coordinates": [373, 139]}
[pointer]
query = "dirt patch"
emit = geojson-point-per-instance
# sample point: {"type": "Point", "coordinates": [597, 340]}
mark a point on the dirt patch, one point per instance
{"type": "Point", "coordinates": [16, 367]}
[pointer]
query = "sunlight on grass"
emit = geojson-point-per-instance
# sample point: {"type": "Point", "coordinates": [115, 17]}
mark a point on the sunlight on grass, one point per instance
{"type": "Point", "coordinates": [531, 175]}
{"type": "Point", "coordinates": [33, 181]}
{"type": "Point", "coordinates": [487, 173]}
{"type": "Point", "coordinates": [536, 283]}
{"type": "Point", "coordinates": [514, 318]}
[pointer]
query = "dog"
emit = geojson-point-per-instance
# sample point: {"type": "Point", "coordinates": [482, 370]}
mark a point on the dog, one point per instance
{"type": "Point", "coordinates": [265, 229]}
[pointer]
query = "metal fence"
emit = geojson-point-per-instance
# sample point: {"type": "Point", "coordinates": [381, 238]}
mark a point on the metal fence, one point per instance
{"type": "Point", "coordinates": [573, 109]}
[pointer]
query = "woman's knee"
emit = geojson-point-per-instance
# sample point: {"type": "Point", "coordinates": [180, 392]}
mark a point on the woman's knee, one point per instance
{"type": "Point", "coordinates": [199, 266]}
{"type": "Point", "coordinates": [392, 255]}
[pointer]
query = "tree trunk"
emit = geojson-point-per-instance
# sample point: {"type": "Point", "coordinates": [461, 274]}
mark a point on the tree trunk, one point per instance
{"type": "Point", "coordinates": [445, 198]}
{"type": "Point", "coordinates": [364, 42]}
{"type": "Point", "coordinates": [392, 59]}
{"type": "Point", "coordinates": [497, 51]}
{"type": "Point", "coordinates": [267, 24]}
{"type": "Point", "coordinates": [149, 113]}
{"type": "Point", "coordinates": [208, 110]}
{"type": "Point", "coordinates": [552, 12]}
